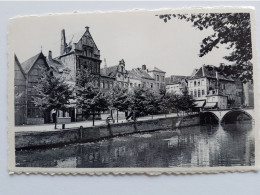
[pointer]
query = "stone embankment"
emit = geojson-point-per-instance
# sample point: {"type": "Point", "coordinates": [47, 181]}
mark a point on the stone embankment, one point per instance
{"type": "Point", "coordinates": [28, 140]}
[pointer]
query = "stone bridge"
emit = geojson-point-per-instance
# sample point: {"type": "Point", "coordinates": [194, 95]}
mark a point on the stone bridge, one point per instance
{"type": "Point", "coordinates": [220, 116]}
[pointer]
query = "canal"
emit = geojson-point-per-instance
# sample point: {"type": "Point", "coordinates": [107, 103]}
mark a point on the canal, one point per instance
{"type": "Point", "coordinates": [196, 146]}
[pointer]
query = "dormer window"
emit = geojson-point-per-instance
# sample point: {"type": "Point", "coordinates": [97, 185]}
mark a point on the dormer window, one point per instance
{"type": "Point", "coordinates": [122, 69]}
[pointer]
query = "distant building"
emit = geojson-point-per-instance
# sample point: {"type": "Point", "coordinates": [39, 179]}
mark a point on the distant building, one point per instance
{"type": "Point", "coordinates": [135, 79]}
{"type": "Point", "coordinates": [118, 73]}
{"type": "Point", "coordinates": [27, 75]}
{"type": "Point", "coordinates": [146, 79]}
{"type": "Point", "coordinates": [159, 77]}
{"type": "Point", "coordinates": [20, 93]}
{"type": "Point", "coordinates": [208, 85]}
{"type": "Point", "coordinates": [176, 84]}
{"type": "Point", "coordinates": [79, 51]}
{"type": "Point", "coordinates": [106, 81]}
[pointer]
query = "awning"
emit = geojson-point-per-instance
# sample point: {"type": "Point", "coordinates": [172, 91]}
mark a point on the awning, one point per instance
{"type": "Point", "coordinates": [210, 105]}
{"type": "Point", "coordinates": [199, 104]}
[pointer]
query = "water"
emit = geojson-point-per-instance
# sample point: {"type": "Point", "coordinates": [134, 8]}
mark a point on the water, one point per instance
{"type": "Point", "coordinates": [196, 146]}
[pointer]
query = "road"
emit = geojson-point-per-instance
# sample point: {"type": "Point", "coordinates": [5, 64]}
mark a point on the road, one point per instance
{"type": "Point", "coordinates": [50, 127]}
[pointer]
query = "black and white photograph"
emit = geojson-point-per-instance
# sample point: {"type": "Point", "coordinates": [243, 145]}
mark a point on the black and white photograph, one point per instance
{"type": "Point", "coordinates": [141, 91]}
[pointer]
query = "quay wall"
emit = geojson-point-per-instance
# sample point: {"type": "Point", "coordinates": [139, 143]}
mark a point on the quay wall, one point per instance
{"type": "Point", "coordinates": [27, 140]}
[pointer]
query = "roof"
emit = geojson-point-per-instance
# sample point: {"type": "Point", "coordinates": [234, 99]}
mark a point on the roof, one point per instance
{"type": "Point", "coordinates": [56, 64]}
{"type": "Point", "coordinates": [155, 69]}
{"type": "Point", "coordinates": [134, 75]}
{"type": "Point", "coordinates": [210, 105]}
{"type": "Point", "coordinates": [27, 65]}
{"type": "Point", "coordinates": [175, 79]}
{"type": "Point", "coordinates": [109, 71]}
{"type": "Point", "coordinates": [209, 71]}
{"type": "Point", "coordinates": [19, 65]}
{"type": "Point", "coordinates": [142, 73]}
{"type": "Point", "coordinates": [199, 104]}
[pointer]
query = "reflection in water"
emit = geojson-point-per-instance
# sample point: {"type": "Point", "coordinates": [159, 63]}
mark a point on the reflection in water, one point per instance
{"type": "Point", "coordinates": [227, 145]}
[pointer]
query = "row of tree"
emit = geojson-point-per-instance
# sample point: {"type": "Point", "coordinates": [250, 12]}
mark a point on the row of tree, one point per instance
{"type": "Point", "coordinates": [53, 92]}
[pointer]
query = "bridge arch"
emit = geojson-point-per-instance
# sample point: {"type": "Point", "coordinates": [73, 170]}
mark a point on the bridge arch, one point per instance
{"type": "Point", "coordinates": [208, 118]}
{"type": "Point", "coordinates": [233, 115]}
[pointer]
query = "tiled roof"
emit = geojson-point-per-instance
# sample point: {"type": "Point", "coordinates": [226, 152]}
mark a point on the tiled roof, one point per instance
{"type": "Point", "coordinates": [134, 75]}
{"type": "Point", "coordinates": [110, 71]}
{"type": "Point", "coordinates": [56, 64]}
{"type": "Point", "coordinates": [209, 71]}
{"type": "Point", "coordinates": [142, 73]}
{"type": "Point", "coordinates": [27, 65]}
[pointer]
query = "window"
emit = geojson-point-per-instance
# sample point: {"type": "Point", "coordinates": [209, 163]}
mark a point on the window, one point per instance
{"type": "Point", "coordinates": [158, 85]}
{"type": "Point", "coordinates": [195, 83]}
{"type": "Point", "coordinates": [162, 78]}
{"type": "Point", "coordinates": [195, 93]}
{"type": "Point", "coordinates": [131, 84]}
{"type": "Point", "coordinates": [151, 85]}
{"type": "Point", "coordinates": [191, 93]}
{"type": "Point", "coordinates": [122, 69]}
{"type": "Point", "coordinates": [202, 92]}
{"type": "Point", "coordinates": [198, 92]}
{"type": "Point", "coordinates": [101, 85]}
{"type": "Point", "coordinates": [157, 77]}
{"type": "Point", "coordinates": [191, 84]}
{"type": "Point", "coordinates": [198, 83]}
{"type": "Point", "coordinates": [119, 75]}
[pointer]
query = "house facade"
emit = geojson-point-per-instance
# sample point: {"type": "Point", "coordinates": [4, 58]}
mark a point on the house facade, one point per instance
{"type": "Point", "coordinates": [20, 93]}
{"type": "Point", "coordinates": [118, 73]}
{"type": "Point", "coordinates": [176, 84]}
{"type": "Point", "coordinates": [27, 75]}
{"type": "Point", "coordinates": [79, 51]}
{"type": "Point", "coordinates": [159, 77]}
{"type": "Point", "coordinates": [206, 83]}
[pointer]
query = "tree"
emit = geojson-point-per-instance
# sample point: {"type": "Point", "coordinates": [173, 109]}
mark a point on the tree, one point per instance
{"type": "Point", "coordinates": [119, 99]}
{"type": "Point", "coordinates": [232, 29]}
{"type": "Point", "coordinates": [152, 103]}
{"type": "Point", "coordinates": [52, 92]}
{"type": "Point", "coordinates": [185, 101]}
{"type": "Point", "coordinates": [89, 97]}
{"type": "Point", "coordinates": [137, 102]}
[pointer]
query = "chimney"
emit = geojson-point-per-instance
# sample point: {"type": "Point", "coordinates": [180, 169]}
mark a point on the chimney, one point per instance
{"type": "Point", "coordinates": [87, 28]}
{"type": "Point", "coordinates": [63, 42]}
{"type": "Point", "coordinates": [144, 67]}
{"type": "Point", "coordinates": [50, 55]}
{"type": "Point", "coordinates": [203, 73]}
{"type": "Point", "coordinates": [105, 66]}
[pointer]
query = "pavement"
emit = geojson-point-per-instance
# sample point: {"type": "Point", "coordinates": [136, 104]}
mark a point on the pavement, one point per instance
{"type": "Point", "coordinates": [89, 123]}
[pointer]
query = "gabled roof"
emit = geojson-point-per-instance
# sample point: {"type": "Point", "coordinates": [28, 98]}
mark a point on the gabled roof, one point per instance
{"type": "Point", "coordinates": [28, 64]}
{"type": "Point", "coordinates": [19, 65]}
{"type": "Point", "coordinates": [110, 71]}
{"type": "Point", "coordinates": [156, 70]}
{"type": "Point", "coordinates": [209, 71]}
{"type": "Point", "coordinates": [134, 75]}
{"type": "Point", "coordinates": [142, 73]}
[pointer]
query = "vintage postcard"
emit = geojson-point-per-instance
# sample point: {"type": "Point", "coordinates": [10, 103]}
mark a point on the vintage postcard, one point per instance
{"type": "Point", "coordinates": [170, 91]}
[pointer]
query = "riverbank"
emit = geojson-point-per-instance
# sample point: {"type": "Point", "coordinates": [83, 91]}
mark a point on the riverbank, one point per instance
{"type": "Point", "coordinates": [35, 139]}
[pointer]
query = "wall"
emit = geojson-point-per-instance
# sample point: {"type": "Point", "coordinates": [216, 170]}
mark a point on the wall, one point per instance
{"type": "Point", "coordinates": [77, 135]}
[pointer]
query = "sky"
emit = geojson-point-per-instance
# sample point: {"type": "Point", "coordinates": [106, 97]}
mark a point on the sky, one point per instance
{"type": "Point", "coordinates": [137, 37]}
